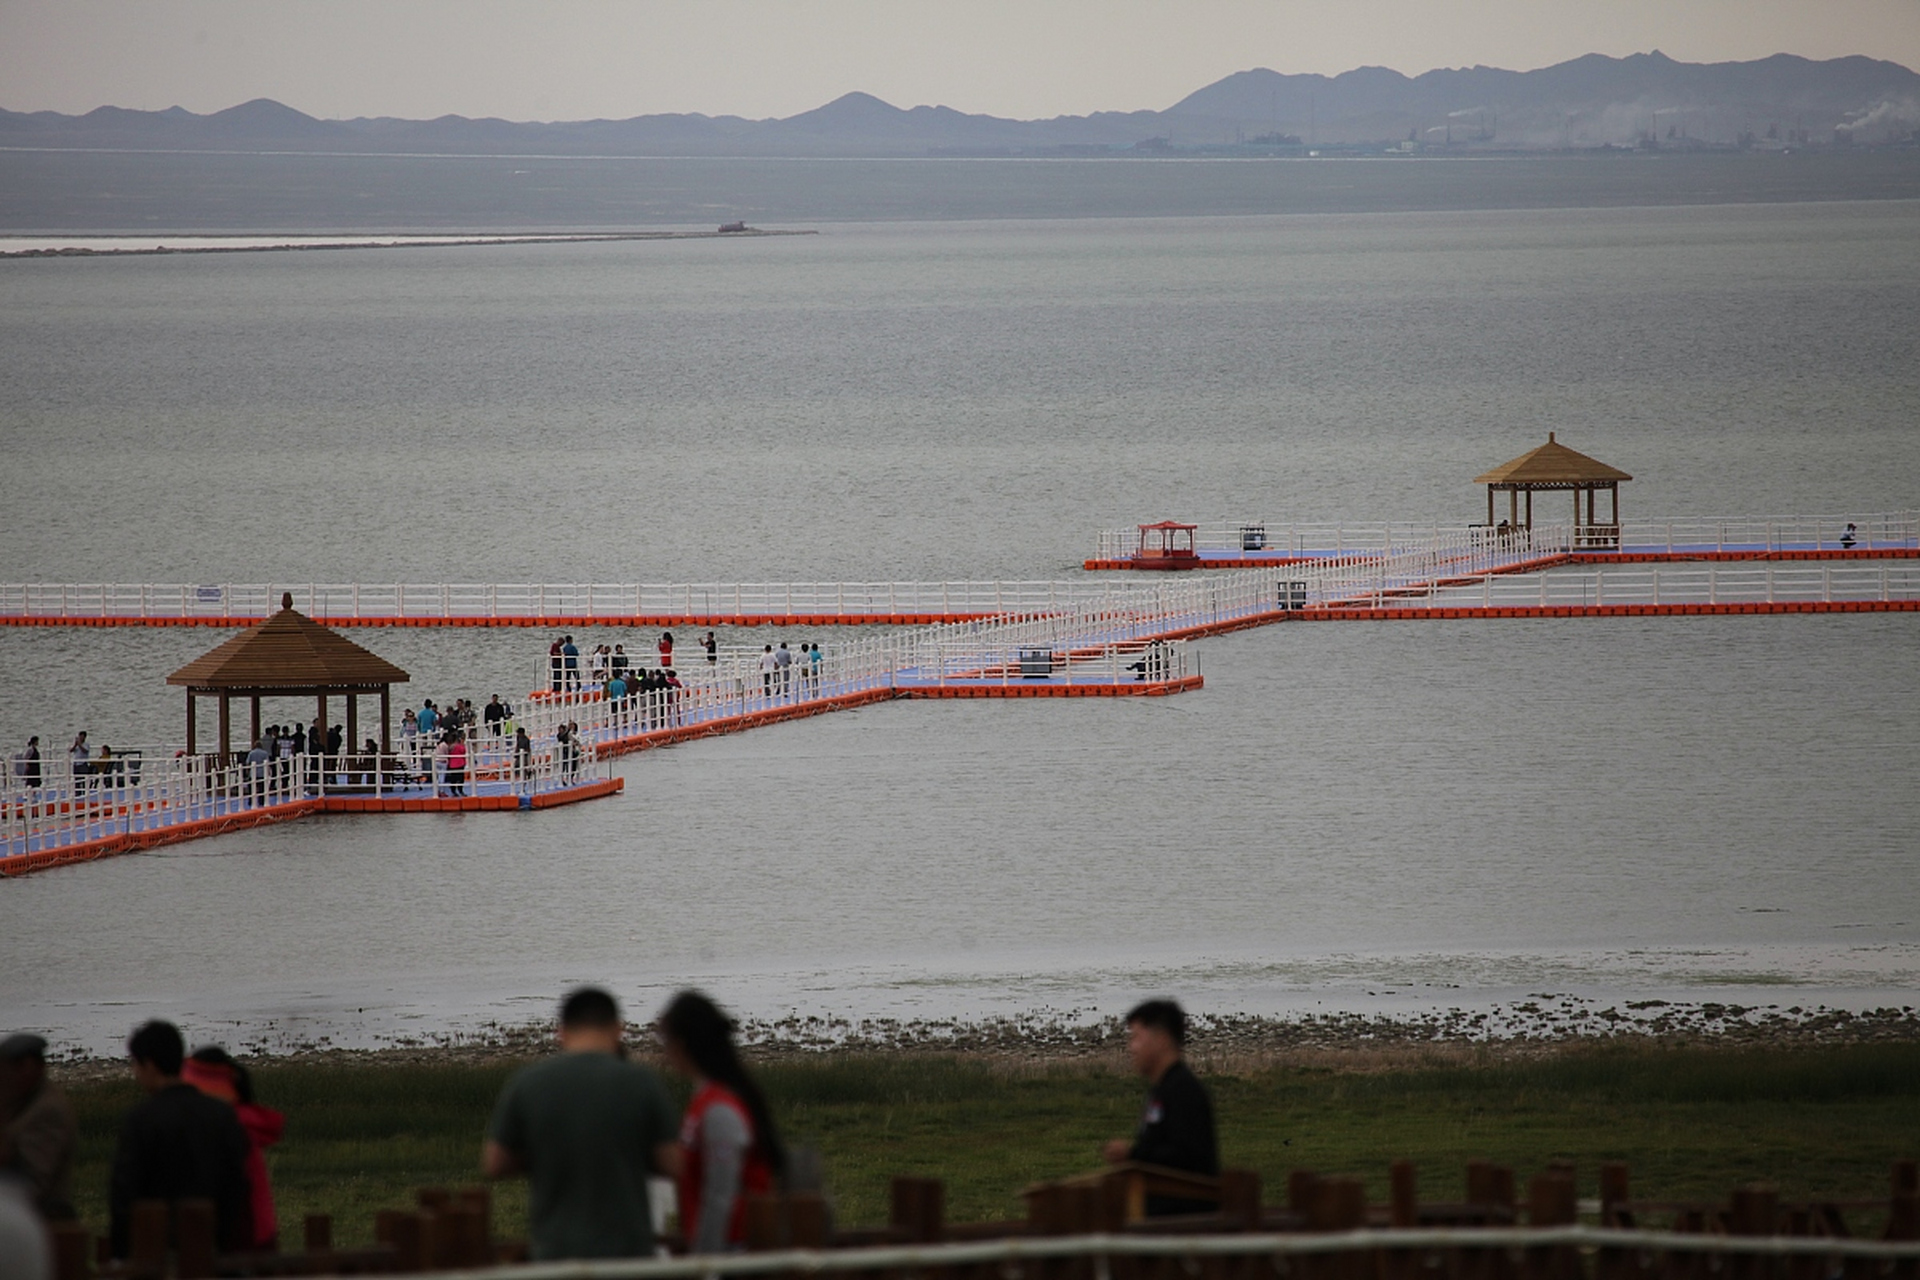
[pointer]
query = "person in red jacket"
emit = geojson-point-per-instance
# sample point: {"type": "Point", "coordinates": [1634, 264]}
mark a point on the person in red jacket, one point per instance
{"type": "Point", "coordinates": [729, 1149]}
{"type": "Point", "coordinates": [214, 1073]}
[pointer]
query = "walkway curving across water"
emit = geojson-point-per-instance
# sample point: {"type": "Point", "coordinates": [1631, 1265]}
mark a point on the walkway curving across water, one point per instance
{"type": "Point", "coordinates": [1093, 638]}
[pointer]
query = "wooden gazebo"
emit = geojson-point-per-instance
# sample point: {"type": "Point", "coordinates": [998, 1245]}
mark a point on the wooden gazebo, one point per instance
{"type": "Point", "coordinates": [288, 655]}
{"type": "Point", "coordinates": [1554, 466]}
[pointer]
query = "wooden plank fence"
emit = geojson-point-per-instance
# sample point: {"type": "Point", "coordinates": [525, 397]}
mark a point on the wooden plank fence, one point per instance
{"type": "Point", "coordinates": [1094, 1228]}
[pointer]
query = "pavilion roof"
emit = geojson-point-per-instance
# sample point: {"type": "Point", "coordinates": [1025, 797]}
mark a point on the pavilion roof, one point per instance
{"type": "Point", "coordinates": [1552, 464]}
{"type": "Point", "coordinates": [287, 651]}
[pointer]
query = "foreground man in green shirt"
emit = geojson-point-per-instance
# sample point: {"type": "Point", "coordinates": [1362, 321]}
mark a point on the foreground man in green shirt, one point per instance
{"type": "Point", "coordinates": [587, 1128]}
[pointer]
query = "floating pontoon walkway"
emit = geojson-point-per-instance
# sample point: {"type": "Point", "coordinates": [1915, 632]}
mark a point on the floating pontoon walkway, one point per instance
{"type": "Point", "coordinates": [1251, 544]}
{"type": "Point", "coordinates": [64, 824]}
{"type": "Point", "coordinates": [1093, 638]}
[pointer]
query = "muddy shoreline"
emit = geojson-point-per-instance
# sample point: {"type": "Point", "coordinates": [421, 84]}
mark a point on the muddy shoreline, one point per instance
{"type": "Point", "coordinates": [1545, 1026]}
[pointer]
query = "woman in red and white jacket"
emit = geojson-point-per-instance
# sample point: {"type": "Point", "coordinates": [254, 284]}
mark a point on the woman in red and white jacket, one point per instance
{"type": "Point", "coordinates": [729, 1149]}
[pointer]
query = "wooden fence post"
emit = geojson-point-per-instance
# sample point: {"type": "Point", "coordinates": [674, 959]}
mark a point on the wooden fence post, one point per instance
{"type": "Point", "coordinates": [401, 1232]}
{"type": "Point", "coordinates": [147, 1238]}
{"type": "Point", "coordinates": [69, 1251]}
{"type": "Point", "coordinates": [319, 1233]}
{"type": "Point", "coordinates": [1403, 1212]}
{"type": "Point", "coordinates": [807, 1220]}
{"type": "Point", "coordinates": [1300, 1185]}
{"type": "Point", "coordinates": [1755, 1212]}
{"type": "Point", "coordinates": [194, 1230]}
{"type": "Point", "coordinates": [1239, 1199]}
{"type": "Point", "coordinates": [480, 1201]}
{"type": "Point", "coordinates": [1551, 1203]}
{"type": "Point", "coordinates": [919, 1209]}
{"type": "Point", "coordinates": [1615, 1188]}
{"type": "Point", "coordinates": [1404, 1199]}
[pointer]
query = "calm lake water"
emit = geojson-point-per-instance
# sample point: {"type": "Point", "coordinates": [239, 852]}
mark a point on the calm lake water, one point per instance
{"type": "Point", "coordinates": [1387, 817]}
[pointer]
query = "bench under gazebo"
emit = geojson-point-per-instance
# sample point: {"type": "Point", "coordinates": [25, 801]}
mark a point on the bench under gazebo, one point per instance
{"type": "Point", "coordinates": [288, 656]}
{"type": "Point", "coordinates": [1553, 466]}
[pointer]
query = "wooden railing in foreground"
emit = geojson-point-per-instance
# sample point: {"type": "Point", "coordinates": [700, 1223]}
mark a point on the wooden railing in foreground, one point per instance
{"type": "Point", "coordinates": [1095, 1228]}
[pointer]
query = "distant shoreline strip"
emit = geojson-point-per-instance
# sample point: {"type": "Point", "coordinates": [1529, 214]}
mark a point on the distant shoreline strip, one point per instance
{"type": "Point", "coordinates": [434, 242]}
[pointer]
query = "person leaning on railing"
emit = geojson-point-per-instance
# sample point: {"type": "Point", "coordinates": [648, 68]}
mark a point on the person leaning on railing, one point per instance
{"type": "Point", "coordinates": [1176, 1129]}
{"type": "Point", "coordinates": [26, 765]}
{"type": "Point", "coordinates": [587, 1128]}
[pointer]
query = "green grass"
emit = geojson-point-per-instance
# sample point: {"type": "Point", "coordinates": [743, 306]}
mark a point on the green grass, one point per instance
{"type": "Point", "coordinates": [1692, 1123]}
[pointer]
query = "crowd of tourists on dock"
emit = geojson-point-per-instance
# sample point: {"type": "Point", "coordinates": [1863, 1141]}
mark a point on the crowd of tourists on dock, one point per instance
{"type": "Point", "coordinates": [438, 749]}
{"type": "Point", "coordinates": [651, 696]}
{"type": "Point", "coordinates": [588, 1127]}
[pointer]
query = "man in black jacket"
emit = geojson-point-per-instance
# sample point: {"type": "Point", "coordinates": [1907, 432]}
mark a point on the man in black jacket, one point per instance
{"type": "Point", "coordinates": [179, 1144]}
{"type": "Point", "coordinates": [1176, 1130]}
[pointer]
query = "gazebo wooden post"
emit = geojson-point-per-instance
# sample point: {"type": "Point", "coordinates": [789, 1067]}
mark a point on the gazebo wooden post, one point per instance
{"type": "Point", "coordinates": [386, 720]}
{"type": "Point", "coordinates": [1529, 511]}
{"type": "Point", "coordinates": [353, 722]}
{"type": "Point", "coordinates": [192, 737]}
{"type": "Point", "coordinates": [255, 735]}
{"type": "Point", "coordinates": [226, 729]}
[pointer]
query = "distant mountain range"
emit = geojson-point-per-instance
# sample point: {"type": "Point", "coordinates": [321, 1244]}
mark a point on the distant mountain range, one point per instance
{"type": "Point", "coordinates": [1645, 100]}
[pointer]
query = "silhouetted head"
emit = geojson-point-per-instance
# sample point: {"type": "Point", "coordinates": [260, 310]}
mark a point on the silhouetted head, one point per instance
{"type": "Point", "coordinates": [157, 1045]}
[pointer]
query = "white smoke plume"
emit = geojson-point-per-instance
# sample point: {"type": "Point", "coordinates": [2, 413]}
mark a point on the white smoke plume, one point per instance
{"type": "Point", "coordinates": [1887, 112]}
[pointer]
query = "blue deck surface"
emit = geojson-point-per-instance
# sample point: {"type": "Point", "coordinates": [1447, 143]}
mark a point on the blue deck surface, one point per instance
{"type": "Point", "coordinates": [1280, 555]}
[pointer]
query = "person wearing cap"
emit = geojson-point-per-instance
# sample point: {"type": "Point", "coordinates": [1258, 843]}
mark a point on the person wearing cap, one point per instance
{"type": "Point", "coordinates": [40, 1133]}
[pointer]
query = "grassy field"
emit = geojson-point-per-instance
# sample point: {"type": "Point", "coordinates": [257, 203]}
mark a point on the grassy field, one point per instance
{"type": "Point", "coordinates": [1692, 1122]}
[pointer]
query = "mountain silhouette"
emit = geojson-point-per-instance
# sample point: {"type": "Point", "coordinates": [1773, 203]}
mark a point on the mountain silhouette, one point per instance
{"type": "Point", "coordinates": [1644, 99]}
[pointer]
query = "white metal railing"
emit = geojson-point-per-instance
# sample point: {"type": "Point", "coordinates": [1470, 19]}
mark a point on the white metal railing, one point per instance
{"type": "Point", "coordinates": [1896, 530]}
{"type": "Point", "coordinates": [1792, 582]}
{"type": "Point", "coordinates": [1278, 537]}
{"type": "Point", "coordinates": [1095, 638]}
{"type": "Point", "coordinates": [69, 808]}
{"type": "Point", "coordinates": [1642, 1249]}
{"type": "Point", "coordinates": [564, 603]}
{"type": "Point", "coordinates": [576, 603]}
{"type": "Point", "coordinates": [1877, 531]}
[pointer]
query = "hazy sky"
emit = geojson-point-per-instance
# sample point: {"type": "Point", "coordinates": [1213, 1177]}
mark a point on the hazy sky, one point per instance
{"type": "Point", "coordinates": [579, 59]}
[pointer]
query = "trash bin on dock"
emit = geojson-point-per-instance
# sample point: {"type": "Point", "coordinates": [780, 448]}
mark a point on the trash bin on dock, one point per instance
{"type": "Point", "coordinates": [1293, 595]}
{"type": "Point", "coordinates": [1253, 537]}
{"type": "Point", "coordinates": [1036, 664]}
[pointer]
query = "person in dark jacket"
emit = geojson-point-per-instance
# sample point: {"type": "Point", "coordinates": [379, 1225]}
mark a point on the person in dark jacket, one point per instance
{"type": "Point", "coordinates": [178, 1144]}
{"type": "Point", "coordinates": [1176, 1130]}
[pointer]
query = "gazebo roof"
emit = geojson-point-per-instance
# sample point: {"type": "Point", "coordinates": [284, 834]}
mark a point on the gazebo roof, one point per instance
{"type": "Point", "coordinates": [288, 651]}
{"type": "Point", "coordinates": [1552, 465]}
